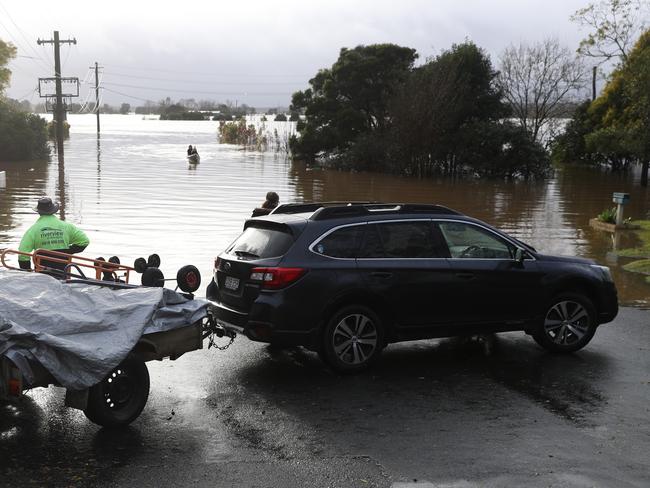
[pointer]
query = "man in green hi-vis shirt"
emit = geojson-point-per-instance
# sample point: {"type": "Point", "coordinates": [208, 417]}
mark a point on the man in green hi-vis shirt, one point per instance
{"type": "Point", "coordinates": [51, 233]}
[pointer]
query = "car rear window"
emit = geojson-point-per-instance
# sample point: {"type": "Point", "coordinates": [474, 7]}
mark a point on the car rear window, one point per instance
{"type": "Point", "coordinates": [260, 243]}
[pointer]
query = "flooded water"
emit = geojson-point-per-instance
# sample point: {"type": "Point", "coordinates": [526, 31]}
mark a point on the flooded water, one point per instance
{"type": "Point", "coordinates": [134, 193]}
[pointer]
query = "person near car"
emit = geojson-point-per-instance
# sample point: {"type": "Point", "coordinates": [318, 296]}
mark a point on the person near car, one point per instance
{"type": "Point", "coordinates": [272, 201]}
{"type": "Point", "coordinates": [50, 233]}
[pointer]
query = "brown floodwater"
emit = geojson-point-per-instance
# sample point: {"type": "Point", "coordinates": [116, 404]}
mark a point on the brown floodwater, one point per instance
{"type": "Point", "coordinates": [134, 193]}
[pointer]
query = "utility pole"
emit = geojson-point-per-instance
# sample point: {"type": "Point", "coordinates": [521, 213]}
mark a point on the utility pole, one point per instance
{"type": "Point", "coordinates": [59, 110]}
{"type": "Point", "coordinates": [96, 93]}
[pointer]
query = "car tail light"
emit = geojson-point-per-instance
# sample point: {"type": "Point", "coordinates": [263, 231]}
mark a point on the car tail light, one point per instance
{"type": "Point", "coordinates": [217, 261]}
{"type": "Point", "coordinates": [276, 278]}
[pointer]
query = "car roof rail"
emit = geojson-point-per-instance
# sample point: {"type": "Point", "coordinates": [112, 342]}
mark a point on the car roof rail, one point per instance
{"type": "Point", "coordinates": [292, 208]}
{"type": "Point", "coordinates": [355, 209]}
{"type": "Point", "coordinates": [428, 208]}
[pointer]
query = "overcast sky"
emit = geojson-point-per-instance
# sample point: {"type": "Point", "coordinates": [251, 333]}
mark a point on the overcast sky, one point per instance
{"type": "Point", "coordinates": [251, 51]}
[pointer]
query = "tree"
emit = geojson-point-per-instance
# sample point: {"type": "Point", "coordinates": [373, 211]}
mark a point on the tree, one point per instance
{"type": "Point", "coordinates": [537, 80]}
{"type": "Point", "coordinates": [350, 99]}
{"type": "Point", "coordinates": [615, 24]}
{"type": "Point", "coordinates": [7, 53]}
{"type": "Point", "coordinates": [615, 129]}
{"type": "Point", "coordinates": [125, 108]}
{"type": "Point", "coordinates": [23, 136]}
{"type": "Point", "coordinates": [622, 112]}
{"type": "Point", "coordinates": [437, 101]}
{"type": "Point", "coordinates": [449, 118]}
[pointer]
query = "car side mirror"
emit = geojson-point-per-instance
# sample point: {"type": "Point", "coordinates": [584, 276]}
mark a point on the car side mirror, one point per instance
{"type": "Point", "coordinates": [519, 255]}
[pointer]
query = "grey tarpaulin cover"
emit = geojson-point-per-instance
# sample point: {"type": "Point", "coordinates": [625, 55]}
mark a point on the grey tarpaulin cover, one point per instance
{"type": "Point", "coordinates": [80, 332]}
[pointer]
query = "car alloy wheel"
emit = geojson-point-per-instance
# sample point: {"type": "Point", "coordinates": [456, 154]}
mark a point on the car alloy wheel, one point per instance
{"type": "Point", "coordinates": [354, 339]}
{"type": "Point", "coordinates": [567, 322]}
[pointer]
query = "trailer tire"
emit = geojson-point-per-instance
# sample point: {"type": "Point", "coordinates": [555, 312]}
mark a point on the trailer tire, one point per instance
{"type": "Point", "coordinates": [153, 277]}
{"type": "Point", "coordinates": [120, 397]}
{"type": "Point", "coordinates": [188, 278]}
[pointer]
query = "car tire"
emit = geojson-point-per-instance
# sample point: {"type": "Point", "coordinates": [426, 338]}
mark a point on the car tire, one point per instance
{"type": "Point", "coordinates": [352, 339]}
{"type": "Point", "coordinates": [120, 397]}
{"type": "Point", "coordinates": [568, 325]}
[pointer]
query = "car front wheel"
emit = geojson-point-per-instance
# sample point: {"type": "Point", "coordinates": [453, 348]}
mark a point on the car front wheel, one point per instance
{"type": "Point", "coordinates": [569, 323]}
{"type": "Point", "coordinates": [353, 338]}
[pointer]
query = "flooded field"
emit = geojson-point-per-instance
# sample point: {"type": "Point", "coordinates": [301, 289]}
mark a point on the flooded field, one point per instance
{"type": "Point", "coordinates": [134, 193]}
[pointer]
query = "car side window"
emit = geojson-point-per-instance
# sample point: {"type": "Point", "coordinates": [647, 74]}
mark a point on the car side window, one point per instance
{"type": "Point", "coordinates": [399, 240]}
{"type": "Point", "coordinates": [342, 243]}
{"type": "Point", "coordinates": [466, 241]}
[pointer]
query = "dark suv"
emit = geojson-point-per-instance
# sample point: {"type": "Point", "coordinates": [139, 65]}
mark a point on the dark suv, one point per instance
{"type": "Point", "coordinates": [345, 280]}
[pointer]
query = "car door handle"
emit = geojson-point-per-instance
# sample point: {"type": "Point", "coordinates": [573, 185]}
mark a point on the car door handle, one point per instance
{"type": "Point", "coordinates": [466, 276]}
{"type": "Point", "coordinates": [381, 274]}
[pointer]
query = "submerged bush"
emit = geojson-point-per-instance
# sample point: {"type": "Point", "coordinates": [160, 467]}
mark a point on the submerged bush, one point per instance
{"type": "Point", "coordinates": [23, 136]}
{"type": "Point", "coordinates": [51, 130]}
{"type": "Point", "coordinates": [241, 134]}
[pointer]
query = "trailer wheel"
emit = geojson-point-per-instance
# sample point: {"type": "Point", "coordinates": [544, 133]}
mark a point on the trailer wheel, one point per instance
{"type": "Point", "coordinates": [120, 397]}
{"type": "Point", "coordinates": [153, 277]}
{"type": "Point", "coordinates": [188, 278]}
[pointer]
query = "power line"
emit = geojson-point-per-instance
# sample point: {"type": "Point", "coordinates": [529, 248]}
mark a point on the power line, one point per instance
{"type": "Point", "coordinates": [30, 92]}
{"type": "Point", "coordinates": [67, 56]}
{"type": "Point", "coordinates": [29, 43]}
{"type": "Point", "coordinates": [124, 75]}
{"type": "Point", "coordinates": [240, 93]}
{"type": "Point", "coordinates": [127, 95]}
{"type": "Point", "coordinates": [226, 75]}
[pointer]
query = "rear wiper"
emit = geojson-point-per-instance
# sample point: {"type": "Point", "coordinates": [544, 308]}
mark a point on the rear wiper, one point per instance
{"type": "Point", "coordinates": [246, 254]}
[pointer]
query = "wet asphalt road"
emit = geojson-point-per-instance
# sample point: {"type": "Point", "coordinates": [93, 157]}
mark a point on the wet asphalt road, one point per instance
{"type": "Point", "coordinates": [451, 413]}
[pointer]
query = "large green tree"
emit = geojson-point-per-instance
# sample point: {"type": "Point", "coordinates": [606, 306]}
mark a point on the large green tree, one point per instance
{"type": "Point", "coordinates": [449, 117]}
{"type": "Point", "coordinates": [349, 100]}
{"type": "Point", "coordinates": [622, 111]}
{"type": "Point", "coordinates": [614, 129]}
{"type": "Point", "coordinates": [23, 136]}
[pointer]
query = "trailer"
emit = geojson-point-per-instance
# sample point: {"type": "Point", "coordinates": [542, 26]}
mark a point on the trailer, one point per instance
{"type": "Point", "coordinates": [102, 365]}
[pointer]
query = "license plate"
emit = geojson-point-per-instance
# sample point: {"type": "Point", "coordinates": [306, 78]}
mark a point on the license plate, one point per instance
{"type": "Point", "coordinates": [231, 283]}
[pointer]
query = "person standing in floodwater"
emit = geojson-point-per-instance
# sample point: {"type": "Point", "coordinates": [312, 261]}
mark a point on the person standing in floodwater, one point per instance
{"type": "Point", "coordinates": [190, 150]}
{"type": "Point", "coordinates": [272, 201]}
{"type": "Point", "coordinates": [52, 234]}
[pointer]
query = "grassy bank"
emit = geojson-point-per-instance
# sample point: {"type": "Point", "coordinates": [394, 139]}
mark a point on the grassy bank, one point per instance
{"type": "Point", "coordinates": [642, 252]}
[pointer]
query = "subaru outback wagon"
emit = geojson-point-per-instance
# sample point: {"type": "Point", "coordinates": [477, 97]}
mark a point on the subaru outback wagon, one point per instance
{"type": "Point", "coordinates": [346, 280]}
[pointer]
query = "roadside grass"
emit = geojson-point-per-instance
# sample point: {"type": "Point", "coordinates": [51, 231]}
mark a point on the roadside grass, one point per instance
{"type": "Point", "coordinates": [643, 234]}
{"type": "Point", "coordinates": [642, 265]}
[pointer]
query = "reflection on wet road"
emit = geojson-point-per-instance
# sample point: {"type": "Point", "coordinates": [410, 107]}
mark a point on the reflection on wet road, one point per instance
{"type": "Point", "coordinates": [459, 412]}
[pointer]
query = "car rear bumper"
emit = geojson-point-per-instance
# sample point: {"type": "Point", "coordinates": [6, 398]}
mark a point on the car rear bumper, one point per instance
{"type": "Point", "coordinates": [258, 330]}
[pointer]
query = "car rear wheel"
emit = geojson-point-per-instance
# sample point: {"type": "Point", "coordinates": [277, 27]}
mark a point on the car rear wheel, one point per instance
{"type": "Point", "coordinates": [569, 323]}
{"type": "Point", "coordinates": [353, 338]}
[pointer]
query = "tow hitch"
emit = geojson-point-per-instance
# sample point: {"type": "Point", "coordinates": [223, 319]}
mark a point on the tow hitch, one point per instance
{"type": "Point", "coordinates": [213, 331]}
